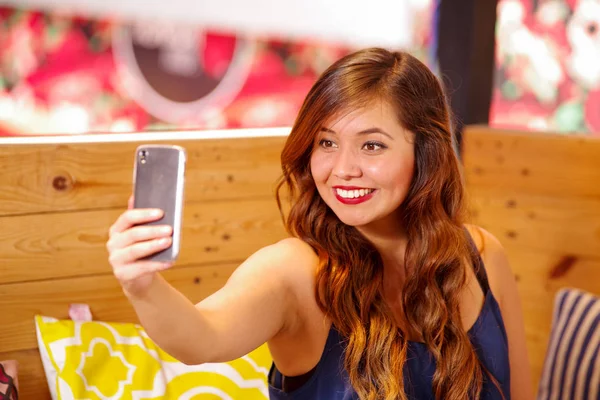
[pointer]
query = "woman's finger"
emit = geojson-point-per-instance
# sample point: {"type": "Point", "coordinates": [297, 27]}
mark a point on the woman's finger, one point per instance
{"type": "Point", "coordinates": [137, 251]}
{"type": "Point", "coordinates": [134, 217]}
{"type": "Point", "coordinates": [138, 234]}
{"type": "Point", "coordinates": [130, 203]}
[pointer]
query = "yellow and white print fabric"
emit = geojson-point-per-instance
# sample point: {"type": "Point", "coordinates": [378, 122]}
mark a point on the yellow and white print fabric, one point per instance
{"type": "Point", "coordinates": [109, 361]}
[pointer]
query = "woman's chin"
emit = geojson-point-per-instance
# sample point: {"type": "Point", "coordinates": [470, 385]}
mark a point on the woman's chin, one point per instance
{"type": "Point", "coordinates": [355, 221]}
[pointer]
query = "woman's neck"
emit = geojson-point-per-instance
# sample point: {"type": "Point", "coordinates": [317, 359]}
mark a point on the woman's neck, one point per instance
{"type": "Point", "coordinates": [390, 240]}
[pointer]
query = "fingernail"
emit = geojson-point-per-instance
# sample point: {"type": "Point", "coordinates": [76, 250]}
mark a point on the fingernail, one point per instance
{"type": "Point", "coordinates": [165, 229]}
{"type": "Point", "coordinates": [164, 241]}
{"type": "Point", "coordinates": [155, 213]}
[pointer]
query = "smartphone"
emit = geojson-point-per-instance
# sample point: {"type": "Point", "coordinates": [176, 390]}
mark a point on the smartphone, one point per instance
{"type": "Point", "coordinates": [158, 182]}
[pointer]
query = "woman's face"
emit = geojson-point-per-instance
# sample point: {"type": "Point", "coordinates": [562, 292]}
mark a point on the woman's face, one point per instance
{"type": "Point", "coordinates": [362, 165]}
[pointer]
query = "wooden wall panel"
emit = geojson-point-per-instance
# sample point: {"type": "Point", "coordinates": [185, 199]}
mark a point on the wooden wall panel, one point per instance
{"type": "Point", "coordinates": [529, 162]}
{"type": "Point", "coordinates": [539, 194]}
{"type": "Point", "coordinates": [32, 378]}
{"type": "Point", "coordinates": [540, 275]}
{"type": "Point", "coordinates": [22, 301]}
{"type": "Point", "coordinates": [58, 201]}
{"type": "Point", "coordinates": [62, 244]}
{"type": "Point", "coordinates": [81, 176]}
{"type": "Point", "coordinates": [570, 225]}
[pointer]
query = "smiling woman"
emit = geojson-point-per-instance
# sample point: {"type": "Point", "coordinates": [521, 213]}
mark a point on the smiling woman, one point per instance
{"type": "Point", "coordinates": [366, 158]}
{"type": "Point", "coordinates": [397, 273]}
{"type": "Point", "coordinates": [381, 293]}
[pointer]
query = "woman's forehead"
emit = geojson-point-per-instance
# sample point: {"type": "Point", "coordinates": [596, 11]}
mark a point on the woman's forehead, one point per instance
{"type": "Point", "coordinates": [373, 115]}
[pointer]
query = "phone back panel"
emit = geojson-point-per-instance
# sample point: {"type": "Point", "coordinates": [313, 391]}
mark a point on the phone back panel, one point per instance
{"type": "Point", "coordinates": [158, 183]}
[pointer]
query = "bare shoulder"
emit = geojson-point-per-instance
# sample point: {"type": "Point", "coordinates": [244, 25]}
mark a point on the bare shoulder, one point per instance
{"type": "Point", "coordinates": [295, 247]}
{"type": "Point", "coordinates": [290, 261]}
{"type": "Point", "coordinates": [495, 259]}
{"type": "Point", "coordinates": [291, 255]}
{"type": "Point", "coordinates": [281, 267]}
{"type": "Point", "coordinates": [260, 302]}
{"type": "Point", "coordinates": [291, 266]}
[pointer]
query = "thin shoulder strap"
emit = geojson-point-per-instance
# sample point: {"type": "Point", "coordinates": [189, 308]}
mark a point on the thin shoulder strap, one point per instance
{"type": "Point", "coordinates": [478, 265]}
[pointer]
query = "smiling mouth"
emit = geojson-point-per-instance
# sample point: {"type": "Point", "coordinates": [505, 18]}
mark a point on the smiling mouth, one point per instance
{"type": "Point", "coordinates": [353, 194]}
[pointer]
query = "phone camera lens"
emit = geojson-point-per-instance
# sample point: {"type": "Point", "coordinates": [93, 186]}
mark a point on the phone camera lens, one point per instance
{"type": "Point", "coordinates": [143, 156]}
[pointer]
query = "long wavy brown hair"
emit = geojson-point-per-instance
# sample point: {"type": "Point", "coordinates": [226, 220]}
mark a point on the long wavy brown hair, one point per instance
{"type": "Point", "coordinates": [349, 287]}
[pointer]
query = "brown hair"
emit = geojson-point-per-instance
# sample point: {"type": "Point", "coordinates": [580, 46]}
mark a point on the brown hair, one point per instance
{"type": "Point", "coordinates": [350, 277]}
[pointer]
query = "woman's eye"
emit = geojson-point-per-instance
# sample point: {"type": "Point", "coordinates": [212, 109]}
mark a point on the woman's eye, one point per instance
{"type": "Point", "coordinates": [374, 146]}
{"type": "Point", "coordinates": [326, 143]}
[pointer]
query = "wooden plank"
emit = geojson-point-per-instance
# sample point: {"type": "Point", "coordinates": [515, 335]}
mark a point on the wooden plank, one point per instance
{"type": "Point", "coordinates": [552, 242]}
{"type": "Point", "coordinates": [539, 194]}
{"type": "Point", "coordinates": [542, 163]}
{"type": "Point", "coordinates": [32, 378]}
{"type": "Point", "coordinates": [54, 245]}
{"type": "Point", "coordinates": [80, 176]}
{"type": "Point", "coordinates": [540, 275]}
{"type": "Point", "coordinates": [539, 222]}
{"type": "Point", "coordinates": [20, 302]}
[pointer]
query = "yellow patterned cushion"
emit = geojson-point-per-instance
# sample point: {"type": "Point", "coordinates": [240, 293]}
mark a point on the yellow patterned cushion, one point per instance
{"type": "Point", "coordinates": [101, 361]}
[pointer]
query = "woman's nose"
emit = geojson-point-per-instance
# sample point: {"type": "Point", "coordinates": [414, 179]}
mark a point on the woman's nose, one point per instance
{"type": "Point", "coordinates": [346, 165]}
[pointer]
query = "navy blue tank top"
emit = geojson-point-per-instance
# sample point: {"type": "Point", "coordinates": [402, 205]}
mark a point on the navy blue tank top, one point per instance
{"type": "Point", "coordinates": [329, 380]}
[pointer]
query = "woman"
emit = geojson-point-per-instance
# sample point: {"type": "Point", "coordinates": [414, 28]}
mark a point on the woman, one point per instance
{"type": "Point", "coordinates": [381, 292]}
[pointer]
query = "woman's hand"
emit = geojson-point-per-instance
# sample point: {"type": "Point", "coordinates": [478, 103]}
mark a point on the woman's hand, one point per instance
{"type": "Point", "coordinates": [128, 244]}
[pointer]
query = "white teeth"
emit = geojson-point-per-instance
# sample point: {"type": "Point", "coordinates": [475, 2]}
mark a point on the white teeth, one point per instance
{"type": "Point", "coordinates": [353, 194]}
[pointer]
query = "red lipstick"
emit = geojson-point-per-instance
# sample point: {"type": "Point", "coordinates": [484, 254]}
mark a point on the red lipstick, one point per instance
{"type": "Point", "coordinates": [356, 200]}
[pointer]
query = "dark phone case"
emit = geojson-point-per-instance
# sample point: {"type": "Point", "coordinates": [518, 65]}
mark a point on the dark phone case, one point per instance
{"type": "Point", "coordinates": [158, 183]}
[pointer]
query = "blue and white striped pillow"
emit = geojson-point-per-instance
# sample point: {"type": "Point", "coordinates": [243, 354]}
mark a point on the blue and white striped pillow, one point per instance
{"type": "Point", "coordinates": [572, 364]}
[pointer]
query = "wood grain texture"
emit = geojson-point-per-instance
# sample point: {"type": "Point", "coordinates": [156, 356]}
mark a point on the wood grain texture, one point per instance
{"type": "Point", "coordinates": [32, 378]}
{"type": "Point", "coordinates": [539, 221]}
{"type": "Point", "coordinates": [83, 176]}
{"type": "Point", "coordinates": [52, 298]}
{"type": "Point", "coordinates": [529, 162]}
{"type": "Point", "coordinates": [539, 195]}
{"type": "Point", "coordinates": [538, 284]}
{"type": "Point", "coordinates": [22, 301]}
{"type": "Point", "coordinates": [58, 202]}
{"type": "Point", "coordinates": [62, 244]}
